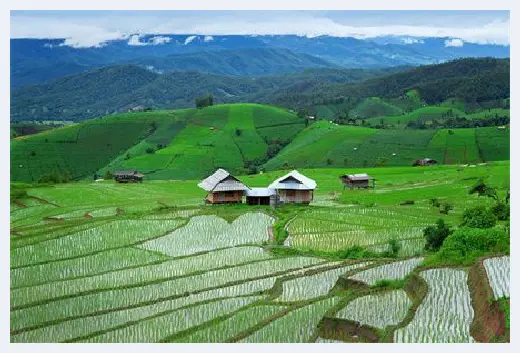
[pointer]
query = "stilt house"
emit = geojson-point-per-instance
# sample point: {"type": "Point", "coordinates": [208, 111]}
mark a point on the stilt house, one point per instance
{"type": "Point", "coordinates": [222, 187]}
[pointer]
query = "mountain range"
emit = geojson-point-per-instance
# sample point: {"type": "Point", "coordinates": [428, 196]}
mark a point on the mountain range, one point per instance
{"type": "Point", "coordinates": [36, 61]}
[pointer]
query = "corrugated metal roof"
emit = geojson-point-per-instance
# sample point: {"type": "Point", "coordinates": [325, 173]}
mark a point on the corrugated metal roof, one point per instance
{"type": "Point", "coordinates": [358, 177]}
{"type": "Point", "coordinates": [260, 192]}
{"type": "Point", "coordinates": [305, 183]}
{"type": "Point", "coordinates": [217, 182]}
{"type": "Point", "coordinates": [125, 172]}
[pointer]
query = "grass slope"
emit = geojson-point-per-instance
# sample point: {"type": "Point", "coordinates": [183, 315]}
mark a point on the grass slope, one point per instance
{"type": "Point", "coordinates": [324, 144]}
{"type": "Point", "coordinates": [181, 144]}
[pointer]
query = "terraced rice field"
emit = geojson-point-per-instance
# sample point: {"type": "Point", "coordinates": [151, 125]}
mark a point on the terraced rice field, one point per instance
{"type": "Point", "coordinates": [497, 269]}
{"type": "Point", "coordinates": [445, 315]}
{"type": "Point", "coordinates": [393, 271]}
{"type": "Point", "coordinates": [377, 310]}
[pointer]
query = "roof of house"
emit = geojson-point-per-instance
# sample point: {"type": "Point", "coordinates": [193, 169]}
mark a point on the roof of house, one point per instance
{"type": "Point", "coordinates": [293, 181]}
{"type": "Point", "coordinates": [260, 192]}
{"type": "Point", "coordinates": [221, 180]}
{"type": "Point", "coordinates": [125, 172]}
{"type": "Point", "coordinates": [358, 177]}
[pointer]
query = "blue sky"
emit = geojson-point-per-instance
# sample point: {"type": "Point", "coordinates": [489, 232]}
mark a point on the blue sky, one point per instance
{"type": "Point", "coordinates": [93, 28]}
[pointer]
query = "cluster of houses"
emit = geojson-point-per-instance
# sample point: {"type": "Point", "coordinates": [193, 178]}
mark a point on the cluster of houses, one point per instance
{"type": "Point", "coordinates": [222, 187]}
{"type": "Point", "coordinates": [293, 187]}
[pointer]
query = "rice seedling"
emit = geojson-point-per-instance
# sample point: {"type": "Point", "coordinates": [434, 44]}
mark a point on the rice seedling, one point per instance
{"type": "Point", "coordinates": [108, 236]}
{"type": "Point", "coordinates": [377, 310]}
{"type": "Point", "coordinates": [156, 329]}
{"type": "Point", "coordinates": [125, 297]}
{"type": "Point", "coordinates": [446, 313]}
{"type": "Point", "coordinates": [313, 286]}
{"type": "Point", "coordinates": [109, 260]}
{"type": "Point", "coordinates": [85, 326]}
{"type": "Point", "coordinates": [497, 269]}
{"type": "Point", "coordinates": [137, 275]}
{"type": "Point", "coordinates": [391, 271]}
{"type": "Point", "coordinates": [297, 326]}
{"type": "Point", "coordinates": [203, 233]}
{"type": "Point", "coordinates": [225, 330]}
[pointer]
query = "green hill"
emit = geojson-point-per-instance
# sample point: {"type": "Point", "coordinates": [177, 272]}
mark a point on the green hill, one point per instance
{"type": "Point", "coordinates": [328, 145]}
{"type": "Point", "coordinates": [163, 144]}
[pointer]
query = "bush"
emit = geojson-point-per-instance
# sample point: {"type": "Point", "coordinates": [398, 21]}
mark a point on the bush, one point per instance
{"type": "Point", "coordinates": [150, 150]}
{"type": "Point", "coordinates": [435, 235]}
{"type": "Point", "coordinates": [445, 207]}
{"type": "Point", "coordinates": [108, 175]}
{"type": "Point", "coordinates": [501, 211]}
{"type": "Point", "coordinates": [465, 245]}
{"type": "Point", "coordinates": [435, 203]}
{"type": "Point", "coordinates": [393, 247]}
{"type": "Point", "coordinates": [478, 217]}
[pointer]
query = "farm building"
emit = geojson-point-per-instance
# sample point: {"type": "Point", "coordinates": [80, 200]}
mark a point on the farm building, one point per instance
{"type": "Point", "coordinates": [357, 181]}
{"type": "Point", "coordinates": [259, 196]}
{"type": "Point", "coordinates": [424, 162]}
{"type": "Point", "coordinates": [222, 187]}
{"type": "Point", "coordinates": [128, 176]}
{"type": "Point", "coordinates": [294, 188]}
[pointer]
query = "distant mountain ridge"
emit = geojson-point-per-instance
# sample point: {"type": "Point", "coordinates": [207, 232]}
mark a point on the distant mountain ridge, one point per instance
{"type": "Point", "coordinates": [36, 61]}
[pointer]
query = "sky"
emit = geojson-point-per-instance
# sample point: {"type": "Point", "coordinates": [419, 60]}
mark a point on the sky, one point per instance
{"type": "Point", "coordinates": [93, 28]}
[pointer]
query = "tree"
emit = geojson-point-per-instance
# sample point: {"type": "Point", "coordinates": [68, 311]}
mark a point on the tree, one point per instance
{"type": "Point", "coordinates": [501, 211]}
{"type": "Point", "coordinates": [478, 217]}
{"type": "Point", "coordinates": [435, 235]}
{"type": "Point", "coordinates": [238, 132]}
{"type": "Point", "coordinates": [445, 207]}
{"type": "Point", "coordinates": [329, 161]}
{"type": "Point", "coordinates": [108, 175]}
{"type": "Point", "coordinates": [482, 189]}
{"type": "Point", "coordinates": [150, 150]}
{"type": "Point", "coordinates": [204, 101]}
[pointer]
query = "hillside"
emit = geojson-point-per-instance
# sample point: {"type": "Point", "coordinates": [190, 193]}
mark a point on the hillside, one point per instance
{"type": "Point", "coordinates": [473, 81]}
{"type": "Point", "coordinates": [243, 62]}
{"type": "Point", "coordinates": [324, 144]}
{"type": "Point", "coordinates": [163, 144]}
{"type": "Point", "coordinates": [189, 144]}
{"type": "Point", "coordinates": [115, 89]}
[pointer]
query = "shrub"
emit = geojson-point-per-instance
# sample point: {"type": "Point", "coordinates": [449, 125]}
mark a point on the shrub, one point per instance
{"type": "Point", "coordinates": [150, 150]}
{"type": "Point", "coordinates": [482, 189]}
{"type": "Point", "coordinates": [108, 175]}
{"type": "Point", "coordinates": [393, 247]}
{"type": "Point", "coordinates": [478, 217]}
{"type": "Point", "coordinates": [465, 245]}
{"type": "Point", "coordinates": [445, 207]}
{"type": "Point", "coordinates": [501, 211]}
{"type": "Point", "coordinates": [435, 203]}
{"type": "Point", "coordinates": [435, 235]}
{"type": "Point", "coordinates": [238, 132]}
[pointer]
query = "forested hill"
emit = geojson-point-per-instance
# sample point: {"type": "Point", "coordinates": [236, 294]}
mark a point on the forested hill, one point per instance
{"type": "Point", "coordinates": [470, 80]}
{"type": "Point", "coordinates": [116, 89]}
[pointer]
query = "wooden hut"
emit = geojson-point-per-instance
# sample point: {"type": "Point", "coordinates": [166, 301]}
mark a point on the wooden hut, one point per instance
{"type": "Point", "coordinates": [424, 162]}
{"type": "Point", "coordinates": [358, 181]}
{"type": "Point", "coordinates": [222, 187]}
{"type": "Point", "coordinates": [259, 196]}
{"type": "Point", "coordinates": [294, 188]}
{"type": "Point", "coordinates": [128, 176]}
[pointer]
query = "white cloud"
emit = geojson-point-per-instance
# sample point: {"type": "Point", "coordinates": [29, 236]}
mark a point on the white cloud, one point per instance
{"type": "Point", "coordinates": [135, 40]}
{"type": "Point", "coordinates": [158, 40]}
{"type": "Point", "coordinates": [208, 38]}
{"type": "Point", "coordinates": [409, 40]}
{"type": "Point", "coordinates": [93, 30]}
{"type": "Point", "coordinates": [190, 39]}
{"type": "Point", "coordinates": [455, 42]}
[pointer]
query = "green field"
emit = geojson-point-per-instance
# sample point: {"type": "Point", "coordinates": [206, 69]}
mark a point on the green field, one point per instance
{"type": "Point", "coordinates": [159, 143]}
{"type": "Point", "coordinates": [328, 145]}
{"type": "Point", "coordinates": [107, 262]}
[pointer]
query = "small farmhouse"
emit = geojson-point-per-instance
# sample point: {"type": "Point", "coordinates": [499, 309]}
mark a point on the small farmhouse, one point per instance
{"type": "Point", "coordinates": [424, 162]}
{"type": "Point", "coordinates": [128, 176]}
{"type": "Point", "coordinates": [259, 196]}
{"type": "Point", "coordinates": [222, 187]}
{"type": "Point", "coordinates": [294, 188]}
{"type": "Point", "coordinates": [357, 181]}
